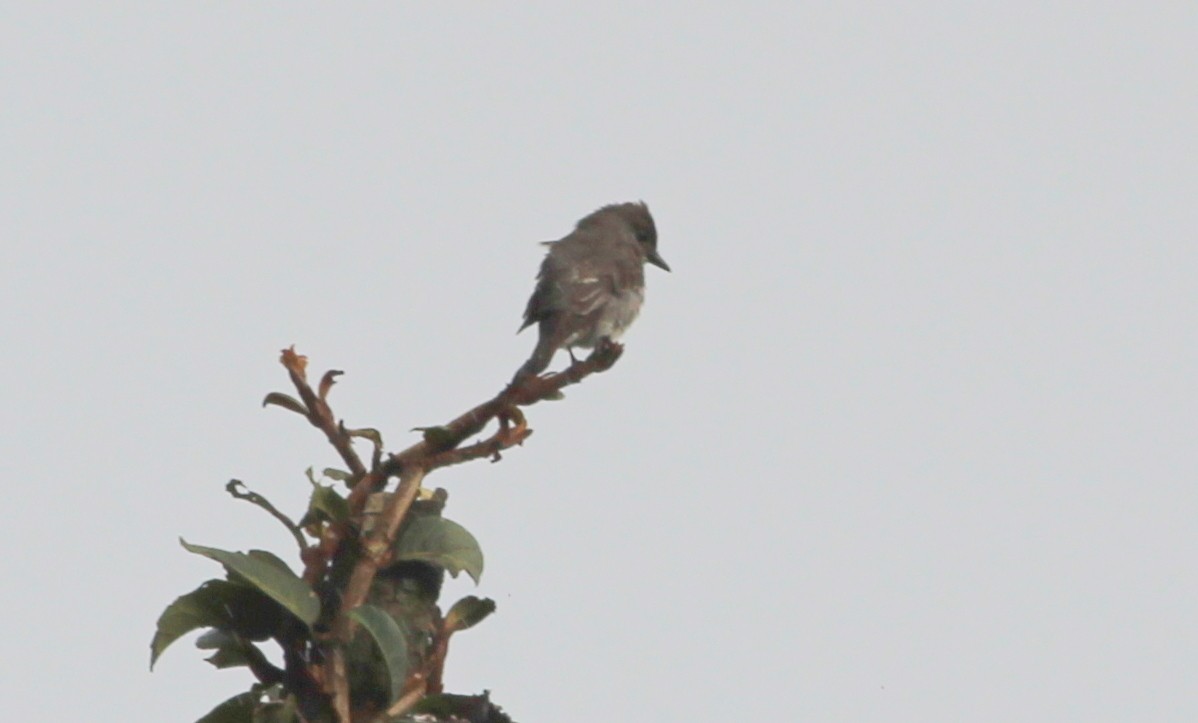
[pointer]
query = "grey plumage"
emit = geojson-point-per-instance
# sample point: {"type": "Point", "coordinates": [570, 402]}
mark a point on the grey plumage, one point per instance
{"type": "Point", "coordinates": [592, 282]}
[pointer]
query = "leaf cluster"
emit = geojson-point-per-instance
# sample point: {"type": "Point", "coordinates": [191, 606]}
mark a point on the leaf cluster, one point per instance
{"type": "Point", "coordinates": [359, 627]}
{"type": "Point", "coordinates": [262, 599]}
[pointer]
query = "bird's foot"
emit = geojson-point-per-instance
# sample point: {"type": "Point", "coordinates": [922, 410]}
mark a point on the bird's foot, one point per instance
{"type": "Point", "coordinates": [606, 353]}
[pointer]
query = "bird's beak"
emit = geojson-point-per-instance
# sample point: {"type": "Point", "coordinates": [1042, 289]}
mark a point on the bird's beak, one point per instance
{"type": "Point", "coordinates": [655, 258]}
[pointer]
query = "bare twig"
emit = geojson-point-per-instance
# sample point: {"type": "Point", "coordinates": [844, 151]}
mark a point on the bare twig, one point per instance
{"type": "Point", "coordinates": [506, 436]}
{"type": "Point", "coordinates": [528, 390]}
{"type": "Point", "coordinates": [256, 499]}
{"type": "Point", "coordinates": [319, 413]}
{"type": "Point", "coordinates": [410, 698]}
{"type": "Point", "coordinates": [337, 680]}
{"type": "Point", "coordinates": [376, 554]}
{"type": "Point", "coordinates": [436, 659]}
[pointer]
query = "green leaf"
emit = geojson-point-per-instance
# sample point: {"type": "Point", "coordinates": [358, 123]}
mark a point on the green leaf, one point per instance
{"type": "Point", "coordinates": [278, 712]}
{"type": "Point", "coordinates": [468, 612]}
{"type": "Point", "coordinates": [270, 559]}
{"type": "Point", "coordinates": [338, 474]}
{"type": "Point", "coordinates": [261, 704]}
{"type": "Point", "coordinates": [448, 706]}
{"type": "Point", "coordinates": [214, 639]}
{"type": "Point", "coordinates": [267, 573]}
{"type": "Point", "coordinates": [197, 609]}
{"type": "Point", "coordinates": [229, 656]}
{"type": "Point", "coordinates": [231, 650]}
{"type": "Point", "coordinates": [369, 433]}
{"type": "Point", "coordinates": [442, 542]}
{"type": "Point", "coordinates": [285, 401]}
{"type": "Point", "coordinates": [238, 709]}
{"type": "Point", "coordinates": [218, 604]}
{"type": "Point", "coordinates": [326, 504]}
{"type": "Point", "coordinates": [390, 641]}
{"type": "Point", "coordinates": [437, 437]}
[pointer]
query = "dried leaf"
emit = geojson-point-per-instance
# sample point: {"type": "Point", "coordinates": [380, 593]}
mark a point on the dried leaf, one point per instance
{"type": "Point", "coordinates": [327, 382]}
{"type": "Point", "coordinates": [367, 433]}
{"type": "Point", "coordinates": [295, 363]}
{"type": "Point", "coordinates": [285, 401]}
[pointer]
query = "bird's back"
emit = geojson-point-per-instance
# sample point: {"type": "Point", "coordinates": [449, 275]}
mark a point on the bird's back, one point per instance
{"type": "Point", "coordinates": [586, 271]}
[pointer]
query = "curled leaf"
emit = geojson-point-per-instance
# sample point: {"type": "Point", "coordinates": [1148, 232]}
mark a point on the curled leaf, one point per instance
{"type": "Point", "coordinates": [516, 417]}
{"type": "Point", "coordinates": [325, 504]}
{"type": "Point", "coordinates": [441, 542]}
{"type": "Point", "coordinates": [327, 381]}
{"type": "Point", "coordinates": [367, 433]}
{"type": "Point", "coordinates": [371, 434]}
{"type": "Point", "coordinates": [285, 401]}
{"type": "Point", "coordinates": [238, 489]}
{"type": "Point", "coordinates": [437, 437]}
{"type": "Point", "coordinates": [237, 653]}
{"type": "Point", "coordinates": [468, 612]}
{"type": "Point", "coordinates": [231, 609]}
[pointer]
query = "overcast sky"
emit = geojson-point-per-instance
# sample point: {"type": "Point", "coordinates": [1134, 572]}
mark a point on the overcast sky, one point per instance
{"type": "Point", "coordinates": [908, 435]}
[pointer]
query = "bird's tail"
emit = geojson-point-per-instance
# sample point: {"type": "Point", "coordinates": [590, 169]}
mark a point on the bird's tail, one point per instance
{"type": "Point", "coordinates": [541, 356]}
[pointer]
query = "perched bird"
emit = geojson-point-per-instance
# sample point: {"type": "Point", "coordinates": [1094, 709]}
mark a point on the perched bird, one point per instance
{"type": "Point", "coordinates": [592, 282]}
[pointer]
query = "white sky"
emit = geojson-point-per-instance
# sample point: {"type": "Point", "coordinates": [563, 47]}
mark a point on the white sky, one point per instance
{"type": "Point", "coordinates": [908, 435]}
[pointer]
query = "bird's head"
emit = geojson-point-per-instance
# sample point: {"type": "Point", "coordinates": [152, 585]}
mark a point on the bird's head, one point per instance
{"type": "Point", "coordinates": [637, 218]}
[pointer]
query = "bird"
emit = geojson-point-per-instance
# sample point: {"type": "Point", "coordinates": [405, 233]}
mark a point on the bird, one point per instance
{"type": "Point", "coordinates": [592, 282]}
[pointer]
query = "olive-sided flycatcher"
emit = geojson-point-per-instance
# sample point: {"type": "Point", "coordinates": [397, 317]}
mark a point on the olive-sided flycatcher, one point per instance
{"type": "Point", "coordinates": [592, 282]}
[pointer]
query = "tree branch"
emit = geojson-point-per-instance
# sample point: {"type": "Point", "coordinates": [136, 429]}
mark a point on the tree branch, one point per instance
{"type": "Point", "coordinates": [440, 447]}
{"type": "Point", "coordinates": [338, 681]}
{"type": "Point", "coordinates": [526, 391]}
{"type": "Point", "coordinates": [319, 413]}
{"type": "Point", "coordinates": [376, 548]}
{"type": "Point", "coordinates": [410, 697]}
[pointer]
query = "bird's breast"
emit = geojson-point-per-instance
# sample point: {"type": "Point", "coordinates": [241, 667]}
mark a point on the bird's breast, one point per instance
{"type": "Point", "coordinates": [615, 316]}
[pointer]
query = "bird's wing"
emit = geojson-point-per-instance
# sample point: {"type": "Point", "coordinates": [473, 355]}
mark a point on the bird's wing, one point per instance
{"type": "Point", "coordinates": [576, 281]}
